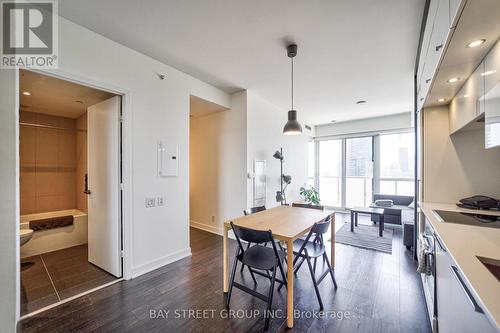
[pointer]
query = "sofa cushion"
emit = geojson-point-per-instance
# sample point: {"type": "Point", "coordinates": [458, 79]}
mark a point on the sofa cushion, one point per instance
{"type": "Point", "coordinates": [401, 200]}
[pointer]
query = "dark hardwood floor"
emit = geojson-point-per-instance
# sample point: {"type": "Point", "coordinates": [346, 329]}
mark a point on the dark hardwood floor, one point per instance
{"type": "Point", "coordinates": [54, 276]}
{"type": "Point", "coordinates": [377, 293]}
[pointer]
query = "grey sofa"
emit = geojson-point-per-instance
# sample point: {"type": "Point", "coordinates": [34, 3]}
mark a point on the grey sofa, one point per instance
{"type": "Point", "coordinates": [399, 213]}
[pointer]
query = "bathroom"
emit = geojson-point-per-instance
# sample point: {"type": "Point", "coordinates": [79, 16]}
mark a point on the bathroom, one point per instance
{"type": "Point", "coordinates": [56, 233]}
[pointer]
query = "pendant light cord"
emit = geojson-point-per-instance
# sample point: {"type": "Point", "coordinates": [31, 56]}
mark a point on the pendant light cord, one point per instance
{"type": "Point", "coordinates": [292, 83]}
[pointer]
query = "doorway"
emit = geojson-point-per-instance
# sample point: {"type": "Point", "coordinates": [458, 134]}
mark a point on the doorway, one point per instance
{"type": "Point", "coordinates": [70, 196]}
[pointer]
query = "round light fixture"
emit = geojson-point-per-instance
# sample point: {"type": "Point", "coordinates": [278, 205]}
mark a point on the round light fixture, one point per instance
{"type": "Point", "coordinates": [475, 43]}
{"type": "Point", "coordinates": [493, 71]}
{"type": "Point", "coordinates": [27, 93]}
{"type": "Point", "coordinates": [441, 100]}
{"type": "Point", "coordinates": [453, 80]}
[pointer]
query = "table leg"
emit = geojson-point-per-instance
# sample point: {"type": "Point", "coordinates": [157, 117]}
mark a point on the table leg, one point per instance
{"type": "Point", "coordinates": [225, 255]}
{"type": "Point", "coordinates": [381, 226]}
{"type": "Point", "coordinates": [289, 287]}
{"type": "Point", "coordinates": [352, 221]}
{"type": "Point", "coordinates": [332, 241]}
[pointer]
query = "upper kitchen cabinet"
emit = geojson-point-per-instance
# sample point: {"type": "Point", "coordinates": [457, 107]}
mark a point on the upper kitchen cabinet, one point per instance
{"type": "Point", "coordinates": [466, 107]}
{"type": "Point", "coordinates": [435, 35]}
{"type": "Point", "coordinates": [490, 101]}
{"type": "Point", "coordinates": [454, 12]}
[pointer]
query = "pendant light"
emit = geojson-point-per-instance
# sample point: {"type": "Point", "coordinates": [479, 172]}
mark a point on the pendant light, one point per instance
{"type": "Point", "coordinates": [292, 126]}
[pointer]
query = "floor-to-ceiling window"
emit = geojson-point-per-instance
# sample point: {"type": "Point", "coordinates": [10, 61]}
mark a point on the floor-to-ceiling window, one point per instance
{"type": "Point", "coordinates": [397, 157]}
{"type": "Point", "coordinates": [348, 171]}
{"type": "Point", "coordinates": [330, 172]}
{"type": "Point", "coordinates": [359, 171]}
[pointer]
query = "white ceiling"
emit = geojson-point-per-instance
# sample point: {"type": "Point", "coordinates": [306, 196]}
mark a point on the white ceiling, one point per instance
{"type": "Point", "coordinates": [56, 97]}
{"type": "Point", "coordinates": [348, 50]}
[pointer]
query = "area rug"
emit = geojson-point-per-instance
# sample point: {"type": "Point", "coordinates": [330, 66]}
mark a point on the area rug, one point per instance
{"type": "Point", "coordinates": [366, 237]}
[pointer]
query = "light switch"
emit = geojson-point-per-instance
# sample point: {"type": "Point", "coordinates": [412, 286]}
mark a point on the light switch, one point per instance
{"type": "Point", "coordinates": [150, 202]}
{"type": "Point", "coordinates": [160, 201]}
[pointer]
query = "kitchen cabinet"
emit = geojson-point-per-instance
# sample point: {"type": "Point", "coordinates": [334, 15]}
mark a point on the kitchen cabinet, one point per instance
{"type": "Point", "coordinates": [457, 308]}
{"type": "Point", "coordinates": [490, 101]}
{"type": "Point", "coordinates": [435, 34]}
{"type": "Point", "coordinates": [454, 7]}
{"type": "Point", "coordinates": [466, 106]}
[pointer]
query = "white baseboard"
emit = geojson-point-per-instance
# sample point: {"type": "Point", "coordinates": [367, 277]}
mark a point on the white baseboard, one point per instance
{"type": "Point", "coordinates": [206, 227]}
{"type": "Point", "coordinates": [157, 263]}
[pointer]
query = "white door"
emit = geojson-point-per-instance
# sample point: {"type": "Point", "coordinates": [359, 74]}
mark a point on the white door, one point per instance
{"type": "Point", "coordinates": [104, 228]}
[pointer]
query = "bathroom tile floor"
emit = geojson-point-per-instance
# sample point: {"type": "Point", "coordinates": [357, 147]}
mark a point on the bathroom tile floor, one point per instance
{"type": "Point", "coordinates": [54, 276]}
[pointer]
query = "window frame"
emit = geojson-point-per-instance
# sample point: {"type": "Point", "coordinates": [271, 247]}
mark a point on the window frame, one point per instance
{"type": "Point", "coordinates": [375, 135]}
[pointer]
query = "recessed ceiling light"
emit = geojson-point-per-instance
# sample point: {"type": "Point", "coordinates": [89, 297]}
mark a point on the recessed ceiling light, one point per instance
{"type": "Point", "coordinates": [493, 71]}
{"type": "Point", "coordinates": [361, 102]}
{"type": "Point", "coordinates": [466, 96]}
{"type": "Point", "coordinates": [476, 43]}
{"type": "Point", "coordinates": [453, 80]}
{"type": "Point", "coordinates": [441, 100]}
{"type": "Point", "coordinates": [27, 93]}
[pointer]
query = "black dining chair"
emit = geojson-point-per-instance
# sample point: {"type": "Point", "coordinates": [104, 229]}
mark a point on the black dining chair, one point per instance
{"type": "Point", "coordinates": [258, 259]}
{"type": "Point", "coordinates": [254, 210]}
{"type": "Point", "coordinates": [247, 212]}
{"type": "Point", "coordinates": [313, 247]}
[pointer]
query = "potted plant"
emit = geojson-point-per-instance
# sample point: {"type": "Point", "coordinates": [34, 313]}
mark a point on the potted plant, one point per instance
{"type": "Point", "coordinates": [310, 194]}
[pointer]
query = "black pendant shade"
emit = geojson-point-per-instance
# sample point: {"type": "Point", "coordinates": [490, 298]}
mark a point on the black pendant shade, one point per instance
{"type": "Point", "coordinates": [292, 126]}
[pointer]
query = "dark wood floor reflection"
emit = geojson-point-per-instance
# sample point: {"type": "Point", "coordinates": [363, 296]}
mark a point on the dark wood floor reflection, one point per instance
{"type": "Point", "coordinates": [50, 277]}
{"type": "Point", "coordinates": [380, 292]}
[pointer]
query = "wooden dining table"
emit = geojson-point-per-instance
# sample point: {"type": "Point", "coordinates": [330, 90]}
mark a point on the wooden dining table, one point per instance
{"type": "Point", "coordinates": [287, 224]}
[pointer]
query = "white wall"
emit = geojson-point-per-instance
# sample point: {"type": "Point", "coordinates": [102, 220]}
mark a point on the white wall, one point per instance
{"type": "Point", "coordinates": [456, 166]}
{"type": "Point", "coordinates": [265, 124]}
{"type": "Point", "coordinates": [218, 166]}
{"type": "Point", "coordinates": [155, 110]}
{"type": "Point", "coordinates": [9, 202]}
{"type": "Point", "coordinates": [378, 124]}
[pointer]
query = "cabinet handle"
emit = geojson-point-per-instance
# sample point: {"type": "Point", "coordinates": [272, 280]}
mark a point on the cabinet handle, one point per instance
{"type": "Point", "coordinates": [428, 80]}
{"type": "Point", "coordinates": [438, 47]}
{"type": "Point", "coordinates": [466, 290]}
{"type": "Point", "coordinates": [436, 237]}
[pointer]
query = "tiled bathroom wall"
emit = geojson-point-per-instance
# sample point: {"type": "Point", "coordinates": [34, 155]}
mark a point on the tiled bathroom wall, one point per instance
{"type": "Point", "coordinates": [48, 159]}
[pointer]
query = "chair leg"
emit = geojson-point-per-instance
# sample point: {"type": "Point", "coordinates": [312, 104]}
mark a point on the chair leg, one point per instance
{"type": "Point", "coordinates": [231, 281]}
{"type": "Point", "coordinates": [270, 299]}
{"type": "Point", "coordinates": [253, 276]}
{"type": "Point", "coordinates": [296, 269]}
{"type": "Point", "coordinates": [315, 262]}
{"type": "Point", "coordinates": [242, 265]}
{"type": "Point", "coordinates": [315, 284]}
{"type": "Point", "coordinates": [330, 269]}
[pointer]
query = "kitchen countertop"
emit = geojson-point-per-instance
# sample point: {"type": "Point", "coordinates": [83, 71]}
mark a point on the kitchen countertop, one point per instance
{"type": "Point", "coordinates": [464, 243]}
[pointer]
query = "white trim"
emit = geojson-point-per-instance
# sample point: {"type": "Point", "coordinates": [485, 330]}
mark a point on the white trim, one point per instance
{"type": "Point", "coordinates": [31, 314]}
{"type": "Point", "coordinates": [157, 263]}
{"type": "Point", "coordinates": [206, 227]}
{"type": "Point", "coordinates": [364, 134]}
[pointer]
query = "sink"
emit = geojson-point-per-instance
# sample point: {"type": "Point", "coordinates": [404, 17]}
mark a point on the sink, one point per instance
{"type": "Point", "coordinates": [492, 265]}
{"type": "Point", "coordinates": [25, 235]}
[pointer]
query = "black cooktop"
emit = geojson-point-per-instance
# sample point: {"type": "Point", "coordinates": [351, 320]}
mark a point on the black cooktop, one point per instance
{"type": "Point", "coordinates": [480, 220]}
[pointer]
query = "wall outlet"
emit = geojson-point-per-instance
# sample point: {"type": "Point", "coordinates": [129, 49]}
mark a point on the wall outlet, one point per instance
{"type": "Point", "coordinates": [150, 202]}
{"type": "Point", "coordinates": [160, 201]}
